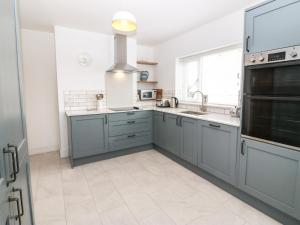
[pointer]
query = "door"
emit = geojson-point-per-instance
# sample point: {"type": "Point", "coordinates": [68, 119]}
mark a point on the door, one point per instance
{"type": "Point", "coordinates": [189, 141]}
{"type": "Point", "coordinates": [160, 129]}
{"type": "Point", "coordinates": [271, 174]}
{"type": "Point", "coordinates": [272, 25]}
{"type": "Point", "coordinates": [89, 135]}
{"type": "Point", "coordinates": [173, 134]}
{"type": "Point", "coordinates": [218, 150]}
{"type": "Point", "coordinates": [12, 127]}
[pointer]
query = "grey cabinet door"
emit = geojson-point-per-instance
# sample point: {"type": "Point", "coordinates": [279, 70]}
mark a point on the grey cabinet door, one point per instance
{"type": "Point", "coordinates": [189, 143]}
{"type": "Point", "coordinates": [22, 191]}
{"type": "Point", "coordinates": [160, 131]}
{"type": "Point", "coordinates": [173, 134]}
{"type": "Point", "coordinates": [218, 150]}
{"type": "Point", "coordinates": [89, 135]}
{"type": "Point", "coordinates": [272, 174]}
{"type": "Point", "coordinates": [272, 25]}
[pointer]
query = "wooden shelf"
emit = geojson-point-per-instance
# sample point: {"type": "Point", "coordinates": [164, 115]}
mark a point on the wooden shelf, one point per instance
{"type": "Point", "coordinates": [146, 63]}
{"type": "Point", "coordinates": [147, 82]}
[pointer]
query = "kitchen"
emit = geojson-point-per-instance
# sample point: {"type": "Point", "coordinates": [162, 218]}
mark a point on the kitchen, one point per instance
{"type": "Point", "coordinates": [192, 121]}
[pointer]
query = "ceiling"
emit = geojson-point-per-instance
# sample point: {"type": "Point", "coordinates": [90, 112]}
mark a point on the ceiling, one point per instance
{"type": "Point", "coordinates": [158, 20]}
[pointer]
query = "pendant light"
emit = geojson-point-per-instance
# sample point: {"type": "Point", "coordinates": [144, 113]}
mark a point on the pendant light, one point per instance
{"type": "Point", "coordinates": [124, 21]}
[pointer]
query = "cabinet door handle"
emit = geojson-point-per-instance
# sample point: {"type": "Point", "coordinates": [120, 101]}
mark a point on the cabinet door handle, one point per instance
{"type": "Point", "coordinates": [131, 136]}
{"type": "Point", "coordinates": [17, 217]}
{"type": "Point", "coordinates": [247, 44]}
{"type": "Point", "coordinates": [106, 119]}
{"type": "Point", "coordinates": [164, 115]}
{"type": "Point", "coordinates": [14, 174]}
{"type": "Point", "coordinates": [242, 147]}
{"type": "Point", "coordinates": [21, 198]}
{"type": "Point", "coordinates": [131, 122]}
{"type": "Point", "coordinates": [17, 156]}
{"type": "Point", "coordinates": [214, 125]}
{"type": "Point", "coordinates": [180, 121]}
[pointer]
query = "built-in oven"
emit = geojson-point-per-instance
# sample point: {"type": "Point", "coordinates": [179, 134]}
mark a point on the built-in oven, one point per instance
{"type": "Point", "coordinates": [271, 96]}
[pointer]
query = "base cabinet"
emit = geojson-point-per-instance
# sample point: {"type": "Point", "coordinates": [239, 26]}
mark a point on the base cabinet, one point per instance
{"type": "Point", "coordinates": [271, 174]}
{"type": "Point", "coordinates": [173, 134]}
{"type": "Point", "coordinates": [189, 146]}
{"type": "Point", "coordinates": [88, 135]}
{"type": "Point", "coordinates": [160, 130]}
{"type": "Point", "coordinates": [218, 143]}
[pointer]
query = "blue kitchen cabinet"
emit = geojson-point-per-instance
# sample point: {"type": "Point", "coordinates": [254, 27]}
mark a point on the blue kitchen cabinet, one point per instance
{"type": "Point", "coordinates": [272, 25]}
{"type": "Point", "coordinates": [271, 174]}
{"type": "Point", "coordinates": [173, 134]}
{"type": "Point", "coordinates": [189, 141]}
{"type": "Point", "coordinates": [130, 129]}
{"type": "Point", "coordinates": [218, 150]}
{"type": "Point", "coordinates": [160, 129]}
{"type": "Point", "coordinates": [88, 135]}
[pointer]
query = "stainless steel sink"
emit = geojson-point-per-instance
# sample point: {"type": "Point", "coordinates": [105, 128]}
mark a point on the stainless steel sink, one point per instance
{"type": "Point", "coordinates": [194, 113]}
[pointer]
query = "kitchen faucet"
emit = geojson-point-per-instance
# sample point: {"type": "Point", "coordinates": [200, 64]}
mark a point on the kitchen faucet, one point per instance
{"type": "Point", "coordinates": [202, 108]}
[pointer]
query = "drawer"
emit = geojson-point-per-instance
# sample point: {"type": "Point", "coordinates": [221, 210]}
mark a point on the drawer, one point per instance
{"type": "Point", "coordinates": [129, 126]}
{"type": "Point", "coordinates": [129, 115]}
{"type": "Point", "coordinates": [129, 140]}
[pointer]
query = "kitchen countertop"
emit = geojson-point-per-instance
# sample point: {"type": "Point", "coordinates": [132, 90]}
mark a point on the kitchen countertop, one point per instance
{"type": "Point", "coordinates": [212, 117]}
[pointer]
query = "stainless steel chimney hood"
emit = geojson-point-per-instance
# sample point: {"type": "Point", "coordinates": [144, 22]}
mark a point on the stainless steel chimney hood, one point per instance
{"type": "Point", "coordinates": [120, 57]}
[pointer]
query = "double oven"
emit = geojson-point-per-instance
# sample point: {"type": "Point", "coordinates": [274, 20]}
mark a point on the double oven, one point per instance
{"type": "Point", "coordinates": [271, 97]}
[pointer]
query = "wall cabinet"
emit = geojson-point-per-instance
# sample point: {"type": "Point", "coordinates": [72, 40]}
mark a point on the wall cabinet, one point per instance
{"type": "Point", "coordinates": [272, 25]}
{"type": "Point", "coordinates": [88, 135]}
{"type": "Point", "coordinates": [272, 174]}
{"type": "Point", "coordinates": [218, 143]}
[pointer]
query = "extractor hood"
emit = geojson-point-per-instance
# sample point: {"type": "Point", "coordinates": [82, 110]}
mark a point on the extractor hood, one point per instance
{"type": "Point", "coordinates": [120, 57]}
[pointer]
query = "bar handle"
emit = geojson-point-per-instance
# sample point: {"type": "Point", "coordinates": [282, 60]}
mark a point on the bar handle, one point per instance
{"type": "Point", "coordinates": [17, 217]}
{"type": "Point", "coordinates": [131, 122]}
{"type": "Point", "coordinates": [131, 136]}
{"type": "Point", "coordinates": [105, 119]}
{"type": "Point", "coordinates": [247, 44]}
{"type": "Point", "coordinates": [14, 174]}
{"type": "Point", "coordinates": [17, 156]}
{"type": "Point", "coordinates": [21, 198]}
{"type": "Point", "coordinates": [242, 147]}
{"type": "Point", "coordinates": [214, 125]}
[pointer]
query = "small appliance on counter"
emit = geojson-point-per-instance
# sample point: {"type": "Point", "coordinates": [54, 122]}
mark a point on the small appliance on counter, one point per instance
{"type": "Point", "coordinates": [99, 99]}
{"type": "Point", "coordinates": [164, 103]}
{"type": "Point", "coordinates": [145, 95]}
{"type": "Point", "coordinates": [174, 102]}
{"type": "Point", "coordinates": [235, 112]}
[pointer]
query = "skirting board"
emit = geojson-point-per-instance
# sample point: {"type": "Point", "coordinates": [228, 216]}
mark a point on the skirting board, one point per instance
{"type": "Point", "coordinates": [250, 200]}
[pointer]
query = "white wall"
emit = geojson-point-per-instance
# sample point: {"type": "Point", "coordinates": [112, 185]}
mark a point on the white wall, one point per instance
{"type": "Point", "coordinates": [40, 91]}
{"type": "Point", "coordinates": [70, 43]}
{"type": "Point", "coordinates": [222, 32]}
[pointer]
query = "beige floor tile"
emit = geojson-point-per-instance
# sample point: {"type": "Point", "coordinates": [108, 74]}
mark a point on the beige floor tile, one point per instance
{"type": "Point", "coordinates": [82, 214]}
{"type": "Point", "coordinates": [157, 219]}
{"type": "Point", "coordinates": [118, 216]}
{"type": "Point", "coordinates": [49, 209]}
{"type": "Point", "coordinates": [51, 222]}
{"type": "Point", "coordinates": [49, 186]}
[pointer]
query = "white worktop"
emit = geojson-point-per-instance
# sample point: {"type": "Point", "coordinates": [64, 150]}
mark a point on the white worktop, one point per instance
{"type": "Point", "coordinates": [212, 117]}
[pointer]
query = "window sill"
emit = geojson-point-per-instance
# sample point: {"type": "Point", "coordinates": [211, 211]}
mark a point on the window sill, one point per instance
{"type": "Point", "coordinates": [208, 105]}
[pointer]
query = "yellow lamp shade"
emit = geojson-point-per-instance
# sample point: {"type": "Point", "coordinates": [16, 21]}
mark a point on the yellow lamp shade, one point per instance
{"type": "Point", "coordinates": [124, 21]}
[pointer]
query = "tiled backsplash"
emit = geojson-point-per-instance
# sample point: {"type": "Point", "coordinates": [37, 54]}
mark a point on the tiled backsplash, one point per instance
{"type": "Point", "coordinates": [82, 99]}
{"type": "Point", "coordinates": [86, 100]}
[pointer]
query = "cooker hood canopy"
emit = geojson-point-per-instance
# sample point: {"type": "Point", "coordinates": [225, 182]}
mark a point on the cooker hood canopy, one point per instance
{"type": "Point", "coordinates": [120, 57]}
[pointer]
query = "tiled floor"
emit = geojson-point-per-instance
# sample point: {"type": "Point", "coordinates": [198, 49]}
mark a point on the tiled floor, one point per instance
{"type": "Point", "coordinates": [145, 188]}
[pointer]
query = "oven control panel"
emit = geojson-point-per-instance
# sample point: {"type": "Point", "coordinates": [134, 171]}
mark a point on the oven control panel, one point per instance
{"type": "Point", "coordinates": [272, 56]}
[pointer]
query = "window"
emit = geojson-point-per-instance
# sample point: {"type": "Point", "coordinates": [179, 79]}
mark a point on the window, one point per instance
{"type": "Point", "coordinates": [216, 74]}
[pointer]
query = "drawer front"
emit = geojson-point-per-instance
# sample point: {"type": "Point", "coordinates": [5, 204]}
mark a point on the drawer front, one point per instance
{"type": "Point", "coordinates": [129, 126]}
{"type": "Point", "coordinates": [130, 140]}
{"type": "Point", "coordinates": [129, 115]}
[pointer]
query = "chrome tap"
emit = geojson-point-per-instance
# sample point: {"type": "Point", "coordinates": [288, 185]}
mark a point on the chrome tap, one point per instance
{"type": "Point", "coordinates": [202, 107]}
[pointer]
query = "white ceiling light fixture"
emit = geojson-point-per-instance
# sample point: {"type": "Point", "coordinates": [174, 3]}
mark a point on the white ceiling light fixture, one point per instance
{"type": "Point", "coordinates": [124, 21]}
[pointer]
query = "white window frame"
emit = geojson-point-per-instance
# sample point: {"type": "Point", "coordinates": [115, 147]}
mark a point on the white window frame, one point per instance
{"type": "Point", "coordinates": [178, 75]}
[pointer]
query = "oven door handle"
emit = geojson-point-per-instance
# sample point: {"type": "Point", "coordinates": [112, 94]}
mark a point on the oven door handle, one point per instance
{"type": "Point", "coordinates": [270, 98]}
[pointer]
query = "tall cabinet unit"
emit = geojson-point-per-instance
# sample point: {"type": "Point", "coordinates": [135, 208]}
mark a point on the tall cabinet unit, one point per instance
{"type": "Point", "coordinates": [15, 191]}
{"type": "Point", "coordinates": [272, 25]}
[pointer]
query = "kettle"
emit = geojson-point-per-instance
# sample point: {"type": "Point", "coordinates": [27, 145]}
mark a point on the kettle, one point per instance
{"type": "Point", "coordinates": [174, 102]}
